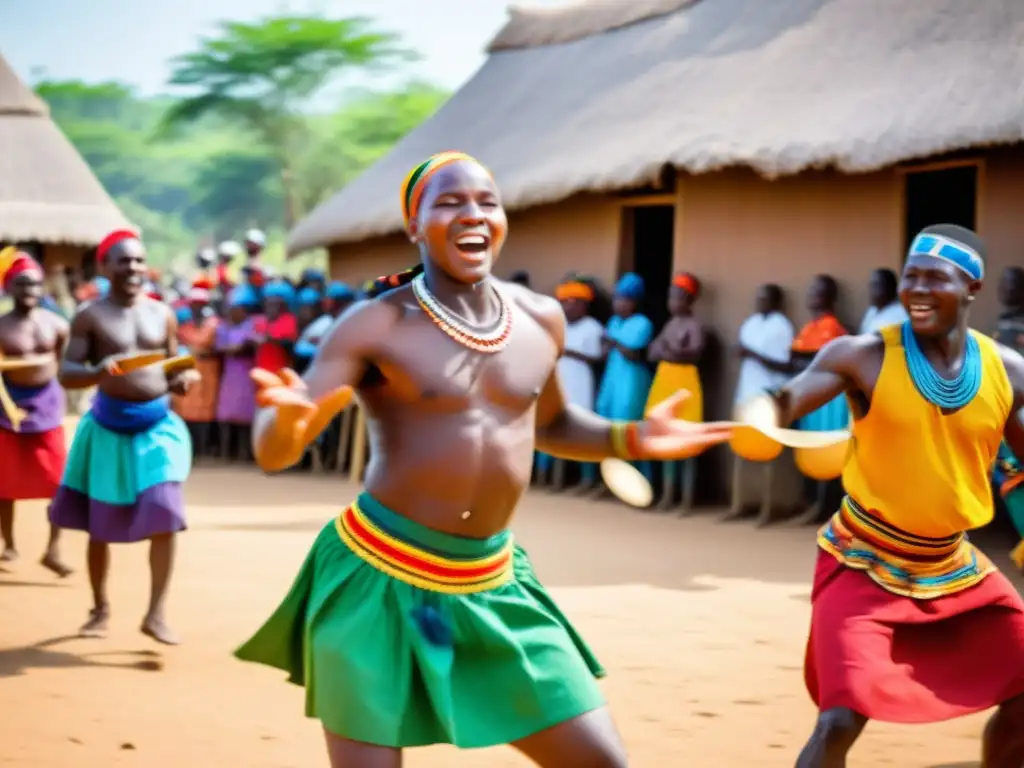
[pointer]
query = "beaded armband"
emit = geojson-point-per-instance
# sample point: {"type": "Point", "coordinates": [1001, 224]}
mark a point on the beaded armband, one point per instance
{"type": "Point", "coordinates": [625, 440]}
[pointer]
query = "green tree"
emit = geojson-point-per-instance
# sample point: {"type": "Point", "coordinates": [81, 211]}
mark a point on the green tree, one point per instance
{"type": "Point", "coordinates": [112, 102]}
{"type": "Point", "coordinates": [235, 190]}
{"type": "Point", "coordinates": [167, 241]}
{"type": "Point", "coordinates": [262, 77]}
{"type": "Point", "coordinates": [344, 144]}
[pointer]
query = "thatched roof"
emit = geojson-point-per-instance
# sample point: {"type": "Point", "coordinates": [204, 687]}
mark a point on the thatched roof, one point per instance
{"type": "Point", "coordinates": [47, 191]}
{"type": "Point", "coordinates": [605, 94]}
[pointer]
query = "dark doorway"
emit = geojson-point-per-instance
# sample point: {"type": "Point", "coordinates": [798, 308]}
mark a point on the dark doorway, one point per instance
{"type": "Point", "coordinates": [653, 234]}
{"type": "Point", "coordinates": [946, 196]}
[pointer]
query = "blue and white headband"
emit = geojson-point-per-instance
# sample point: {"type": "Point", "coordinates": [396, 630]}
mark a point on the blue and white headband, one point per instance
{"type": "Point", "coordinates": [953, 251]}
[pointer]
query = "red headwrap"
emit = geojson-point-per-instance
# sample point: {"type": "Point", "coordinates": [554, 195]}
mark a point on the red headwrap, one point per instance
{"type": "Point", "coordinates": [113, 239]}
{"type": "Point", "coordinates": [688, 283]}
{"type": "Point", "coordinates": [13, 263]}
{"type": "Point", "coordinates": [203, 282]}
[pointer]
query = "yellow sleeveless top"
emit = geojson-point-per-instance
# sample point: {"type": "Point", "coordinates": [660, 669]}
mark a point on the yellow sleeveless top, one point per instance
{"type": "Point", "coordinates": [918, 479]}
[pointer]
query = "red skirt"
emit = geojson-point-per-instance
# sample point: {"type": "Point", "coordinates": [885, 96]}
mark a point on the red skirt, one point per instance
{"type": "Point", "coordinates": [31, 464]}
{"type": "Point", "coordinates": [900, 660]}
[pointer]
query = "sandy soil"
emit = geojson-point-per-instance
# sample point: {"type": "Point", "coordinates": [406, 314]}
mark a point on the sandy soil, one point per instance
{"type": "Point", "coordinates": [701, 625]}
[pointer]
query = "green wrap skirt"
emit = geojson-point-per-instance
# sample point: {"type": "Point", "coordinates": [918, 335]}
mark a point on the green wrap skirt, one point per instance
{"type": "Point", "coordinates": [404, 636]}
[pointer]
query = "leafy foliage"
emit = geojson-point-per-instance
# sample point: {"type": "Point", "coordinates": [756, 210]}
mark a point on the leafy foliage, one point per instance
{"type": "Point", "coordinates": [241, 149]}
{"type": "Point", "coordinates": [260, 76]}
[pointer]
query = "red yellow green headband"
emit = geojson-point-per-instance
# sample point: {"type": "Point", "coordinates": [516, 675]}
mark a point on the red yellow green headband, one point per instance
{"type": "Point", "coordinates": [416, 181]}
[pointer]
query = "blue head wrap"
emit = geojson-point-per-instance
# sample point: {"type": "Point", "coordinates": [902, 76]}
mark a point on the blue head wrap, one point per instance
{"type": "Point", "coordinates": [309, 297]}
{"type": "Point", "coordinates": [630, 286]}
{"type": "Point", "coordinates": [340, 292]}
{"type": "Point", "coordinates": [946, 248]}
{"type": "Point", "coordinates": [183, 313]}
{"type": "Point", "coordinates": [243, 295]}
{"type": "Point", "coordinates": [311, 275]}
{"type": "Point", "coordinates": [279, 290]}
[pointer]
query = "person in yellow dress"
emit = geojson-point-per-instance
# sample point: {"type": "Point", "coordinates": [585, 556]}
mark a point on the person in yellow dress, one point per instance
{"type": "Point", "coordinates": [677, 351]}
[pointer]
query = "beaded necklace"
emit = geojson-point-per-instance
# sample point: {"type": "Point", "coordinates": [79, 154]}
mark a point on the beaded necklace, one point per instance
{"type": "Point", "coordinates": [950, 394]}
{"type": "Point", "coordinates": [457, 329]}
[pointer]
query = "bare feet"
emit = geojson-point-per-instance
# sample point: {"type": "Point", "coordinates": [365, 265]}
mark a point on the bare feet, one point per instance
{"type": "Point", "coordinates": [97, 625]}
{"type": "Point", "coordinates": [10, 554]}
{"type": "Point", "coordinates": [156, 628]}
{"type": "Point", "coordinates": [53, 563]}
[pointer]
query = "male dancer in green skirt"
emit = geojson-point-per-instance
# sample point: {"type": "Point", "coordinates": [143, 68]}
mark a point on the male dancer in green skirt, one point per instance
{"type": "Point", "coordinates": [415, 619]}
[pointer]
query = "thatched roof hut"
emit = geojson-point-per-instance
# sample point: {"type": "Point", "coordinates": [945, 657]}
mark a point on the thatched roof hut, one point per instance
{"type": "Point", "coordinates": [47, 191]}
{"type": "Point", "coordinates": [747, 141]}
{"type": "Point", "coordinates": [602, 95]}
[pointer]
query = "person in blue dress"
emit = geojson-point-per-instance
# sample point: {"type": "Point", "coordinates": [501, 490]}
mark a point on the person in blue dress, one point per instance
{"type": "Point", "coordinates": [627, 378]}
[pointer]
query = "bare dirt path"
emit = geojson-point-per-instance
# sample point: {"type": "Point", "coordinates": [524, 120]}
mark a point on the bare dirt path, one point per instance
{"type": "Point", "coordinates": [701, 625]}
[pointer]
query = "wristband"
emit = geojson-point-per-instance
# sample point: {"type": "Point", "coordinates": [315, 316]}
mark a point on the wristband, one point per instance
{"type": "Point", "coordinates": [625, 440]}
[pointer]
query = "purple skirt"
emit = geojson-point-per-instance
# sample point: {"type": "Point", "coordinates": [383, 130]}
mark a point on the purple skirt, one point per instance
{"type": "Point", "coordinates": [236, 402]}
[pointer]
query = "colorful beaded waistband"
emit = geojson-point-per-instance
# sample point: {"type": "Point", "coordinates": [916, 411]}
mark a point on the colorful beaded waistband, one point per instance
{"type": "Point", "coordinates": [900, 562]}
{"type": "Point", "coordinates": [413, 565]}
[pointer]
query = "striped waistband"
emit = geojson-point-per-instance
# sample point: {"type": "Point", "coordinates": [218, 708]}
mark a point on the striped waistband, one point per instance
{"type": "Point", "coordinates": [875, 531]}
{"type": "Point", "coordinates": [369, 537]}
{"type": "Point", "coordinates": [902, 563]}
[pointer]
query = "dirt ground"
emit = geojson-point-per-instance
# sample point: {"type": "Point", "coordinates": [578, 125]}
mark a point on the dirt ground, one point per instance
{"type": "Point", "coordinates": [701, 625]}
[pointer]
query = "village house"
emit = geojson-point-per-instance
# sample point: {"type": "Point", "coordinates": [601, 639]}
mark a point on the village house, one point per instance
{"type": "Point", "coordinates": [51, 203]}
{"type": "Point", "coordinates": [742, 140]}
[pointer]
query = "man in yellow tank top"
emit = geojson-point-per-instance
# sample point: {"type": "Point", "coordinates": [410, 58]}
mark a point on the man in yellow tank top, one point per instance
{"type": "Point", "coordinates": [910, 623]}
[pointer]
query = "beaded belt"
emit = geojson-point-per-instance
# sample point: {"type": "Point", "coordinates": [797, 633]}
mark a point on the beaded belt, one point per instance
{"type": "Point", "coordinates": [900, 562]}
{"type": "Point", "coordinates": [414, 565]}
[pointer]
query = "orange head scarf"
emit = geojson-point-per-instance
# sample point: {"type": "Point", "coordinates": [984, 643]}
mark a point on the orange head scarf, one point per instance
{"type": "Point", "coordinates": [687, 282]}
{"type": "Point", "coordinates": [574, 289]}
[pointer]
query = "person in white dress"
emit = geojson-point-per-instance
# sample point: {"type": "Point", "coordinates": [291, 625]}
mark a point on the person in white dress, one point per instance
{"type": "Point", "coordinates": [583, 351]}
{"type": "Point", "coordinates": [885, 308]}
{"type": "Point", "coordinates": [765, 341]}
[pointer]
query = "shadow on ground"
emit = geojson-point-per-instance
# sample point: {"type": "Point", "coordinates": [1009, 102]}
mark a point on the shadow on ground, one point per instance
{"type": "Point", "coordinates": [43, 584]}
{"type": "Point", "coordinates": [19, 661]}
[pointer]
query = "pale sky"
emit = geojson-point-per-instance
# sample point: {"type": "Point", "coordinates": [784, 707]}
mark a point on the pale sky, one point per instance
{"type": "Point", "coordinates": [132, 41]}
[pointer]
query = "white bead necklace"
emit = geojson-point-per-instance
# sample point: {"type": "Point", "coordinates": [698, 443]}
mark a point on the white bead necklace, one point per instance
{"type": "Point", "coordinates": [492, 340]}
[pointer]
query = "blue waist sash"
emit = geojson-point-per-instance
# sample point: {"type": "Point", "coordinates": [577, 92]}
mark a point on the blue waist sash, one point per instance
{"type": "Point", "coordinates": [129, 417]}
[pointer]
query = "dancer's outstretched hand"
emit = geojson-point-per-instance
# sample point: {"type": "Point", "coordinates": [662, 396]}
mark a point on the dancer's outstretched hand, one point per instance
{"type": "Point", "coordinates": [664, 437]}
{"type": "Point", "coordinates": [286, 392]}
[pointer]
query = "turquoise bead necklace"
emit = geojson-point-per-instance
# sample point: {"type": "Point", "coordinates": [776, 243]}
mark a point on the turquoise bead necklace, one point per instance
{"type": "Point", "coordinates": [950, 394]}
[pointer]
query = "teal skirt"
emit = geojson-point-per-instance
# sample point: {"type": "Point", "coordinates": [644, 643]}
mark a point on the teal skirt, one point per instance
{"type": "Point", "coordinates": [121, 486]}
{"type": "Point", "coordinates": [388, 659]}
